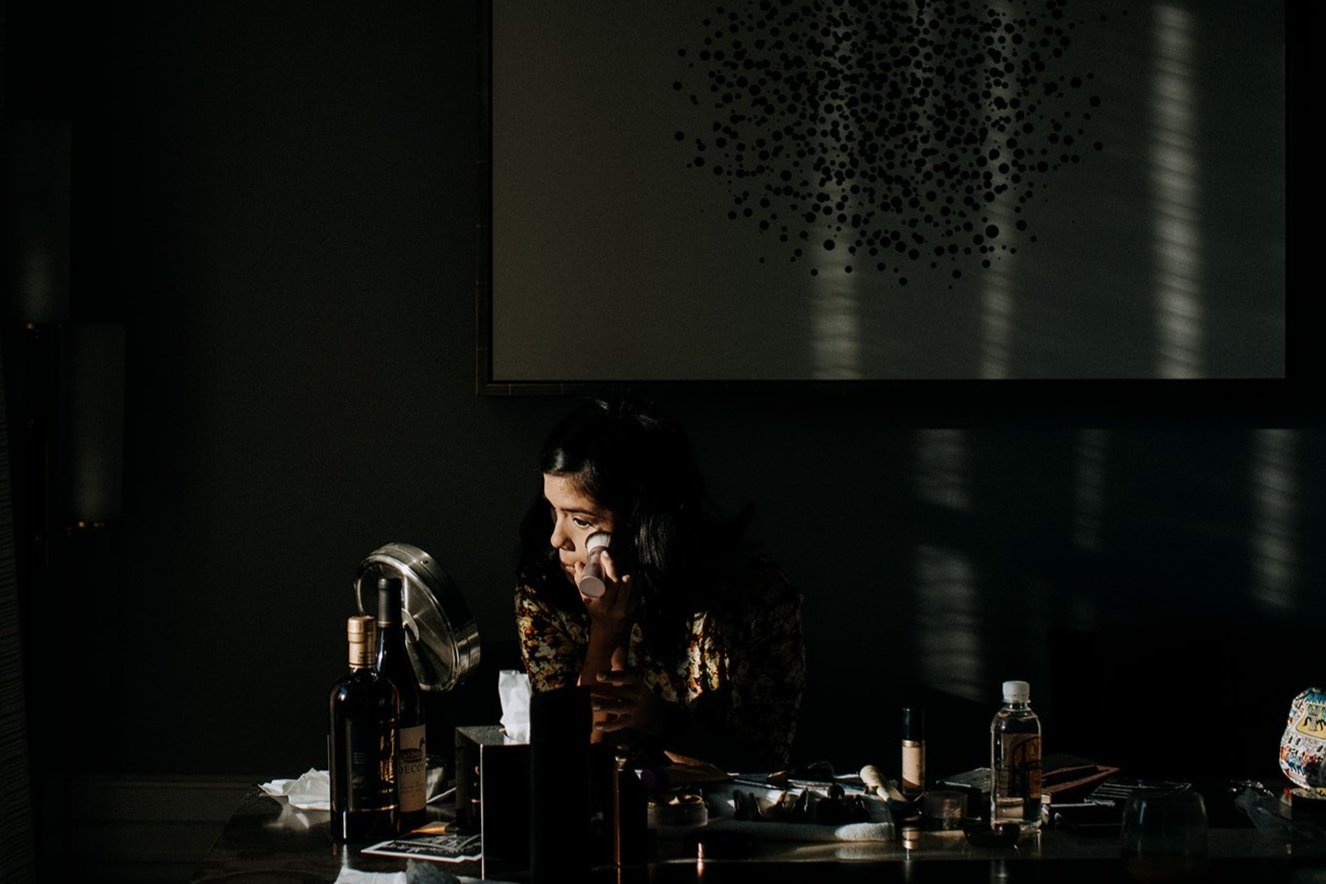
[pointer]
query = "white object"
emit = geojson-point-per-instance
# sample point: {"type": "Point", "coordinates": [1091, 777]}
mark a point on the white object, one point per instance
{"type": "Point", "coordinates": [354, 876]}
{"type": "Point", "coordinates": [311, 791]}
{"type": "Point", "coordinates": [591, 579]}
{"type": "Point", "coordinates": [775, 830]}
{"type": "Point", "coordinates": [514, 691]}
{"type": "Point", "coordinates": [876, 784]}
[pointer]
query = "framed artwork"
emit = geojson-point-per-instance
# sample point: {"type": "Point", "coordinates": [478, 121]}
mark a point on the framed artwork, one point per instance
{"type": "Point", "coordinates": [966, 194]}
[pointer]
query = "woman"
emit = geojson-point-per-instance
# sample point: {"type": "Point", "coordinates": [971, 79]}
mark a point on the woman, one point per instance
{"type": "Point", "coordinates": [695, 648]}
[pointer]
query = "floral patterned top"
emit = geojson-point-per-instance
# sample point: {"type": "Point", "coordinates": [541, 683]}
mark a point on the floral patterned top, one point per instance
{"type": "Point", "coordinates": [740, 672]}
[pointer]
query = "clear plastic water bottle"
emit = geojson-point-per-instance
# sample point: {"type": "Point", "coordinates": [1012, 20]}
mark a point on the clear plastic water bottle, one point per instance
{"type": "Point", "coordinates": [1015, 761]}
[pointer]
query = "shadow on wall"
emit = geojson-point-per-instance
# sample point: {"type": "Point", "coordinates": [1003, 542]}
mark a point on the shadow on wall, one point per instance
{"type": "Point", "coordinates": [1134, 575]}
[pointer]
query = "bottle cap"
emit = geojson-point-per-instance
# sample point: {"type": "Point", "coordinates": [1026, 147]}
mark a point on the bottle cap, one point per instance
{"type": "Point", "coordinates": [1017, 692]}
{"type": "Point", "coordinates": [390, 590]}
{"type": "Point", "coordinates": [362, 631]}
{"type": "Point", "coordinates": [361, 627]}
{"type": "Point", "coordinates": [913, 723]}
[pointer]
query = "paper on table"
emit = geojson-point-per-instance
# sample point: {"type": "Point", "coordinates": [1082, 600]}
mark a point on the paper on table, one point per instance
{"type": "Point", "coordinates": [311, 791]}
{"type": "Point", "coordinates": [447, 847]}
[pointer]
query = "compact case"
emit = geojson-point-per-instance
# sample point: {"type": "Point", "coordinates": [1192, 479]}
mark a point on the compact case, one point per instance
{"type": "Point", "coordinates": [1303, 746]}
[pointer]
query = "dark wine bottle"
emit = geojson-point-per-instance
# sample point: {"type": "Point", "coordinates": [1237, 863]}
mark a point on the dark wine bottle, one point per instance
{"type": "Point", "coordinates": [393, 663]}
{"type": "Point", "coordinates": [361, 744]}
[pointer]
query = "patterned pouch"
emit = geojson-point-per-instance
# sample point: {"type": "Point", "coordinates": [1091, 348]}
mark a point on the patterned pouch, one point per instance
{"type": "Point", "coordinates": [1303, 746]}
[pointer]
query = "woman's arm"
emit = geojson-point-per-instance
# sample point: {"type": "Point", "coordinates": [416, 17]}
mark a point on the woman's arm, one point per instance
{"type": "Point", "coordinates": [750, 721]}
{"type": "Point", "coordinates": [610, 619]}
{"type": "Point", "coordinates": [684, 732]}
{"type": "Point", "coordinates": [552, 644]}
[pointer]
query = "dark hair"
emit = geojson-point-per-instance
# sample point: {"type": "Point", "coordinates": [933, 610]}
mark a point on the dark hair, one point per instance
{"type": "Point", "coordinates": [637, 462]}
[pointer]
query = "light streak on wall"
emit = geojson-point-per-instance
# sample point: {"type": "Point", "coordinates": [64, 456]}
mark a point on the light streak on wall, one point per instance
{"type": "Point", "coordinates": [941, 468]}
{"type": "Point", "coordinates": [999, 289]}
{"type": "Point", "coordinates": [998, 297]}
{"type": "Point", "coordinates": [1175, 198]}
{"type": "Point", "coordinates": [947, 623]}
{"type": "Point", "coordinates": [836, 320]}
{"type": "Point", "coordinates": [1089, 489]}
{"type": "Point", "coordinates": [836, 332]}
{"type": "Point", "coordinates": [1274, 483]}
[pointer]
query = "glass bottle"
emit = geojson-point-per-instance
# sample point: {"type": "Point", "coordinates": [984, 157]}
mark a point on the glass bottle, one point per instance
{"type": "Point", "coordinates": [1015, 760]}
{"type": "Point", "coordinates": [361, 743]}
{"type": "Point", "coordinates": [393, 663]}
{"type": "Point", "coordinates": [913, 752]}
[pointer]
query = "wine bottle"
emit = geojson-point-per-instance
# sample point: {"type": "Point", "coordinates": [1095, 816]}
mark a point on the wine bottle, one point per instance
{"type": "Point", "coordinates": [361, 744]}
{"type": "Point", "coordinates": [393, 663]}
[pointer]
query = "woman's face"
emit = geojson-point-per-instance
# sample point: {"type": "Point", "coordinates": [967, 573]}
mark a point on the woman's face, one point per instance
{"type": "Point", "coordinates": [574, 518]}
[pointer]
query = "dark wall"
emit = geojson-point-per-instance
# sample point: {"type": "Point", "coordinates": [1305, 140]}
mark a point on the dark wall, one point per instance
{"type": "Point", "coordinates": [279, 202]}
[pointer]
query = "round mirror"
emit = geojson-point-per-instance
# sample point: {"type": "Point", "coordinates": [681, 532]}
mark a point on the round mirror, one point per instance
{"type": "Point", "coordinates": [440, 634]}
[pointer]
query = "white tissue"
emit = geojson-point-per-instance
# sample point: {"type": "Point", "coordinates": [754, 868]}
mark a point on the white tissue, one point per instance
{"type": "Point", "coordinates": [354, 876]}
{"type": "Point", "coordinates": [416, 872]}
{"type": "Point", "coordinates": [311, 791]}
{"type": "Point", "coordinates": [775, 830]}
{"type": "Point", "coordinates": [514, 690]}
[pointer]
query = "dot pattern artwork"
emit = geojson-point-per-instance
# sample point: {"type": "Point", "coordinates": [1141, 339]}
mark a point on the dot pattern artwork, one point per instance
{"type": "Point", "coordinates": [881, 136]}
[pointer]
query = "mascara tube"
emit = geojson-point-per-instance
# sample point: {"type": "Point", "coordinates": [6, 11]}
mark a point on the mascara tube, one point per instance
{"type": "Point", "coordinates": [913, 751]}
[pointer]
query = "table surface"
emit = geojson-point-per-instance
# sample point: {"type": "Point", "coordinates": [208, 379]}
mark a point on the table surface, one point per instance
{"type": "Point", "coordinates": [268, 840]}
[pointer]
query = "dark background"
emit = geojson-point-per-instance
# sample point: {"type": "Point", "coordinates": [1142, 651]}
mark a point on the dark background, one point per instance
{"type": "Point", "coordinates": [277, 204]}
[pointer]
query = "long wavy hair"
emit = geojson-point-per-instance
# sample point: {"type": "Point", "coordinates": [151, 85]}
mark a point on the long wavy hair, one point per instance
{"type": "Point", "coordinates": [637, 462]}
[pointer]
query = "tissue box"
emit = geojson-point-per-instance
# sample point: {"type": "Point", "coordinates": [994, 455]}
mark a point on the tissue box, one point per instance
{"type": "Point", "coordinates": [492, 795]}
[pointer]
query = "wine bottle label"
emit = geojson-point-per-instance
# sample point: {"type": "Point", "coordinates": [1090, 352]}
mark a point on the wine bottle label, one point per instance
{"type": "Point", "coordinates": [412, 772]}
{"type": "Point", "coordinates": [371, 774]}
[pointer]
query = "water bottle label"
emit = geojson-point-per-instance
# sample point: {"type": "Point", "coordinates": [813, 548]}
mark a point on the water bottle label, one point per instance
{"type": "Point", "coordinates": [1020, 772]}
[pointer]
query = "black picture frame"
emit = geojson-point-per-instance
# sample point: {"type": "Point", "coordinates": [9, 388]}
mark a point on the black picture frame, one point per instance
{"type": "Point", "coordinates": [1287, 400]}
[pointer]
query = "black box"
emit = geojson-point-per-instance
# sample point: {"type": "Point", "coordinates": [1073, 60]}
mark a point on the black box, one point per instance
{"type": "Point", "coordinates": [492, 795]}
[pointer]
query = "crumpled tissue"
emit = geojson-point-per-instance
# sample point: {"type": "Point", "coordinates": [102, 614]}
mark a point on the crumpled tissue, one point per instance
{"type": "Point", "coordinates": [514, 690]}
{"type": "Point", "coordinates": [311, 791]}
{"type": "Point", "coordinates": [781, 831]}
{"type": "Point", "coordinates": [354, 876]}
{"type": "Point", "coordinates": [417, 872]}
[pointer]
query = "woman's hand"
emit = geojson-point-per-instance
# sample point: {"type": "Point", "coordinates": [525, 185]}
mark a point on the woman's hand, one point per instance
{"type": "Point", "coordinates": [621, 700]}
{"type": "Point", "coordinates": [610, 614]}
